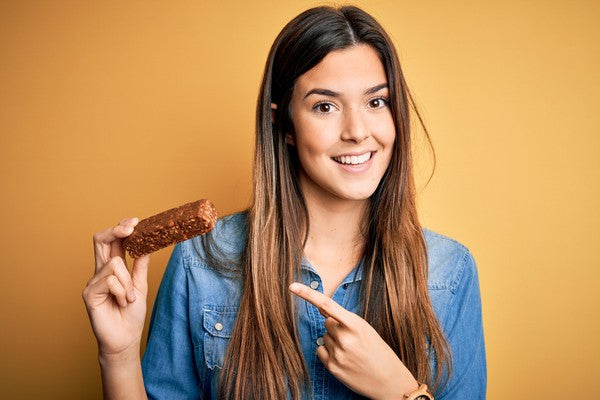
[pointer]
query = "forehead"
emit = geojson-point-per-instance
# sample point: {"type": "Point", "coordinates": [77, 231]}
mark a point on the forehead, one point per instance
{"type": "Point", "coordinates": [352, 69]}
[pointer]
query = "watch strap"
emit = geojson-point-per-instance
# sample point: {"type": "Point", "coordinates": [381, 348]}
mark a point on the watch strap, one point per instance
{"type": "Point", "coordinates": [420, 393]}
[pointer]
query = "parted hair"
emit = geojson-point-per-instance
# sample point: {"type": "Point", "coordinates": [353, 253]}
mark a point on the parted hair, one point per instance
{"type": "Point", "coordinates": [264, 359]}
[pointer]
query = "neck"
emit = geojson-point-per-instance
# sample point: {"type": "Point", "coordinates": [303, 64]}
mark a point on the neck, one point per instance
{"type": "Point", "coordinates": [335, 235]}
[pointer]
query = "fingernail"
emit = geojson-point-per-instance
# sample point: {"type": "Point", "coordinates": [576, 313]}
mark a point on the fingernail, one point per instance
{"type": "Point", "coordinates": [295, 287]}
{"type": "Point", "coordinates": [128, 229]}
{"type": "Point", "coordinates": [131, 296]}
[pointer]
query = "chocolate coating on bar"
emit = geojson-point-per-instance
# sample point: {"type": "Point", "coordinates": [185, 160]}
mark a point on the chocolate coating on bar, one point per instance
{"type": "Point", "coordinates": [170, 227]}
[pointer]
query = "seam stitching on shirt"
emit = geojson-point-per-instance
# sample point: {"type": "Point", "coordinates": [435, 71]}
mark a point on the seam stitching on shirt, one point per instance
{"type": "Point", "coordinates": [463, 265]}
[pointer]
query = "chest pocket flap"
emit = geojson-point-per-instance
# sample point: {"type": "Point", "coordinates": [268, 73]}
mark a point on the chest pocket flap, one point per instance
{"type": "Point", "coordinates": [218, 323]}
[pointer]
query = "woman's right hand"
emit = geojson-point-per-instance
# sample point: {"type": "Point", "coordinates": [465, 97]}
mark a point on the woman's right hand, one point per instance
{"type": "Point", "coordinates": [114, 298]}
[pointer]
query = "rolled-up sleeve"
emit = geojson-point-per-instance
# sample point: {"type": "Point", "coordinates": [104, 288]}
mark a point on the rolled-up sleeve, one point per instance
{"type": "Point", "coordinates": [168, 364]}
{"type": "Point", "coordinates": [464, 331]}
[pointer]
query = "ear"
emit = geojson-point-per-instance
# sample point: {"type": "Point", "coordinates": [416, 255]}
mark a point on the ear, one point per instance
{"type": "Point", "coordinates": [273, 108]}
{"type": "Point", "coordinates": [289, 139]}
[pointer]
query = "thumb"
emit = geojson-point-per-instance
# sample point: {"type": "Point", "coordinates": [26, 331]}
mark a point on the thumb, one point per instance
{"type": "Point", "coordinates": [140, 273]}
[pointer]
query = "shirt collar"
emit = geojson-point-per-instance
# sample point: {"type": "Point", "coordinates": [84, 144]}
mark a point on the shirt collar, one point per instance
{"type": "Point", "coordinates": [354, 276]}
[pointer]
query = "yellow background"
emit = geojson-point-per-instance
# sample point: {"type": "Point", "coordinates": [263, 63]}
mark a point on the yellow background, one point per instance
{"type": "Point", "coordinates": [113, 109]}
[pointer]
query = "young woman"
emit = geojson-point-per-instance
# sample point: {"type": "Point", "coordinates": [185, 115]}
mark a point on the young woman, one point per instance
{"type": "Point", "coordinates": [327, 287]}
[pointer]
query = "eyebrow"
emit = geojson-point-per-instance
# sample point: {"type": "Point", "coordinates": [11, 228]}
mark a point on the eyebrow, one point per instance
{"type": "Point", "coordinates": [331, 93]}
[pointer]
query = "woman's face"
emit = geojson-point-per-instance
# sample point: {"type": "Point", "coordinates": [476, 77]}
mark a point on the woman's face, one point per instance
{"type": "Point", "coordinates": [344, 131]}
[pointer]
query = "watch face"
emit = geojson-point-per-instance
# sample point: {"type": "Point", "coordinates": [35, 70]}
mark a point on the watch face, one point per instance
{"type": "Point", "coordinates": [423, 397]}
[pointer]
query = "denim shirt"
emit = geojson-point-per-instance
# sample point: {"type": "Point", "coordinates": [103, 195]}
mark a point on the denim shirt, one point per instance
{"type": "Point", "coordinates": [196, 307]}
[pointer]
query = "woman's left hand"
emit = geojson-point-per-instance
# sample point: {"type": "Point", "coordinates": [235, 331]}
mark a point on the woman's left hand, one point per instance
{"type": "Point", "coordinates": [354, 352]}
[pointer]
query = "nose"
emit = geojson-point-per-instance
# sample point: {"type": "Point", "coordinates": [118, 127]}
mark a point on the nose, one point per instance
{"type": "Point", "coordinates": [354, 128]}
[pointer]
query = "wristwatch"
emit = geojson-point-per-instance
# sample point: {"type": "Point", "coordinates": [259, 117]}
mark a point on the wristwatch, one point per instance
{"type": "Point", "coordinates": [420, 393]}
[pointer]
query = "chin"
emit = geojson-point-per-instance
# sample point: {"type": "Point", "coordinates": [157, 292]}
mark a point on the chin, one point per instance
{"type": "Point", "coordinates": [358, 195]}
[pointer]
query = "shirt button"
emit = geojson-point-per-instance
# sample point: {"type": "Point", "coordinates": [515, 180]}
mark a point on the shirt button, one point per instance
{"type": "Point", "coordinates": [314, 284]}
{"type": "Point", "coordinates": [345, 286]}
{"type": "Point", "coordinates": [219, 326]}
{"type": "Point", "coordinates": [320, 341]}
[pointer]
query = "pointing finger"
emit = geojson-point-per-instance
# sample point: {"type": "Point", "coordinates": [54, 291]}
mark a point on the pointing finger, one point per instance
{"type": "Point", "coordinates": [327, 307]}
{"type": "Point", "coordinates": [332, 326]}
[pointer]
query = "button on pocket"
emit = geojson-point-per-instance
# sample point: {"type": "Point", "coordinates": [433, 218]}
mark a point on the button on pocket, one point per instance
{"type": "Point", "coordinates": [218, 323]}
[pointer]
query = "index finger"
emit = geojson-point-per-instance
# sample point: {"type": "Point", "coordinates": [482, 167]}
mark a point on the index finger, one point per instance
{"type": "Point", "coordinates": [327, 307]}
{"type": "Point", "coordinates": [104, 241]}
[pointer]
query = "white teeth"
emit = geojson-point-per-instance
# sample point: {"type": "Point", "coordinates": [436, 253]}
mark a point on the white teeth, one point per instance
{"type": "Point", "coordinates": [354, 160]}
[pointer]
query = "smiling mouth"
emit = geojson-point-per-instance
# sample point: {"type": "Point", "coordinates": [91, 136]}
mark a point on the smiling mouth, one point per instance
{"type": "Point", "coordinates": [353, 160]}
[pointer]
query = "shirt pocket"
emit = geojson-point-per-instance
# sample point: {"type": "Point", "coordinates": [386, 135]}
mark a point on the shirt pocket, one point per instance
{"type": "Point", "coordinates": [218, 325]}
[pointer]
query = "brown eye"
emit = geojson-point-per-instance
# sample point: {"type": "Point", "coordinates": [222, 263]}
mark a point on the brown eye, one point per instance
{"type": "Point", "coordinates": [377, 103]}
{"type": "Point", "coordinates": [324, 107]}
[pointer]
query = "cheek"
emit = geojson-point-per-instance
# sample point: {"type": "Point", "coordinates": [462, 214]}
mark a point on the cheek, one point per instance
{"type": "Point", "coordinates": [391, 139]}
{"type": "Point", "coordinates": [383, 126]}
{"type": "Point", "coordinates": [314, 138]}
{"type": "Point", "coordinates": [387, 133]}
{"type": "Point", "coordinates": [310, 148]}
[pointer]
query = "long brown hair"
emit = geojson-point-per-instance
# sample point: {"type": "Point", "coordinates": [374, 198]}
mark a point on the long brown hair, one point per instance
{"type": "Point", "coordinates": [264, 359]}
